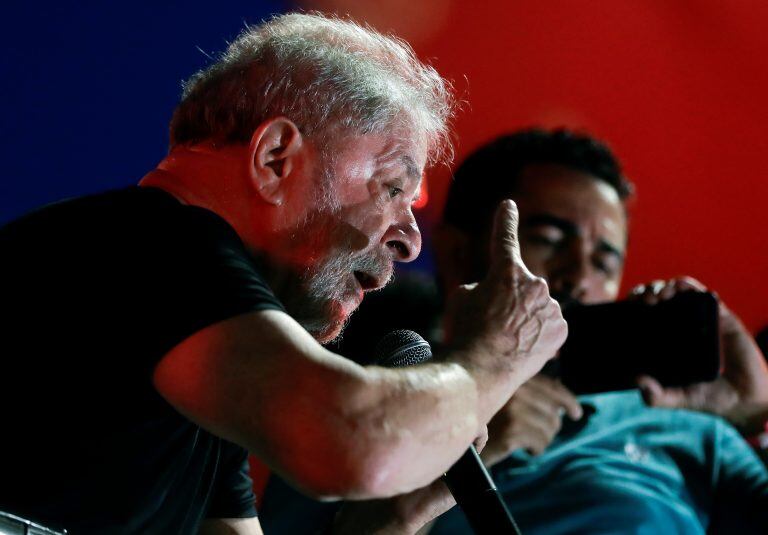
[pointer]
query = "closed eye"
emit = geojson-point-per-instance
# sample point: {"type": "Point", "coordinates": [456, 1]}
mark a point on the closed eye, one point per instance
{"type": "Point", "coordinates": [609, 265]}
{"type": "Point", "coordinates": [543, 241]}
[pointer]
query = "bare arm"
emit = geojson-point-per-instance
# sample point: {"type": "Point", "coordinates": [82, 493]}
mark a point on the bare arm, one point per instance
{"type": "Point", "coordinates": [231, 526]}
{"type": "Point", "coordinates": [336, 429]}
{"type": "Point", "coordinates": [329, 426]}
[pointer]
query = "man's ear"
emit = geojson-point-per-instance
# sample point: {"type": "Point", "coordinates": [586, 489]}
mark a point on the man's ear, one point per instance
{"type": "Point", "coordinates": [275, 148]}
{"type": "Point", "coordinates": [452, 254]}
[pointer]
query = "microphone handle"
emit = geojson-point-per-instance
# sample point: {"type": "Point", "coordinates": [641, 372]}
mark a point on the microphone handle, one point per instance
{"type": "Point", "coordinates": [476, 494]}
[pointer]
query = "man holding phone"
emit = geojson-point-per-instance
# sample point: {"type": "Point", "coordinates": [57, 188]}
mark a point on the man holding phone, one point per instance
{"type": "Point", "coordinates": [613, 463]}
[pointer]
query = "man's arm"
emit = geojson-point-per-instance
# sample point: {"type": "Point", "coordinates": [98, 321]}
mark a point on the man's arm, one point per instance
{"type": "Point", "coordinates": [231, 526]}
{"type": "Point", "coordinates": [336, 429]}
{"type": "Point", "coordinates": [740, 500]}
{"type": "Point", "coordinates": [330, 427]}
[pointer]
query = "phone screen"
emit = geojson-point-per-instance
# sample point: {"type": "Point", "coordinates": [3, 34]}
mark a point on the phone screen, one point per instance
{"type": "Point", "coordinates": [610, 345]}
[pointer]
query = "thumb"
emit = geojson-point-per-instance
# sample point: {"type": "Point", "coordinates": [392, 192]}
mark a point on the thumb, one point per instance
{"type": "Point", "coordinates": [505, 247]}
{"type": "Point", "coordinates": [656, 395]}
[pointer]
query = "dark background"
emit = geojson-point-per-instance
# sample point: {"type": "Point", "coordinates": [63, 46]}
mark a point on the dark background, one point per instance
{"type": "Point", "coordinates": [88, 89]}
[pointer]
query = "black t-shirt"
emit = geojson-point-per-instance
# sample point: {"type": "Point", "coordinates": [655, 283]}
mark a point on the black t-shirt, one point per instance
{"type": "Point", "coordinates": [93, 292]}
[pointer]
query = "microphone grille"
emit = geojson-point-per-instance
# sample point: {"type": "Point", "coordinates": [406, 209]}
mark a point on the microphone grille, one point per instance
{"type": "Point", "coordinates": [402, 348]}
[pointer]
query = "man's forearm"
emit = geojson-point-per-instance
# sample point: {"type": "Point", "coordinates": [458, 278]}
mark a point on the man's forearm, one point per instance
{"type": "Point", "coordinates": [751, 420]}
{"type": "Point", "coordinates": [230, 526]}
{"type": "Point", "coordinates": [397, 430]}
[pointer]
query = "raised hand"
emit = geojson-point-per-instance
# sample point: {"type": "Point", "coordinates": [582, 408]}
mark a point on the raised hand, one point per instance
{"type": "Point", "coordinates": [506, 327]}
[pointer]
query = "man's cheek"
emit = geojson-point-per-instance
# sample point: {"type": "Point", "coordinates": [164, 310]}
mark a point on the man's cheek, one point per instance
{"type": "Point", "coordinates": [536, 263]}
{"type": "Point", "coordinates": [611, 289]}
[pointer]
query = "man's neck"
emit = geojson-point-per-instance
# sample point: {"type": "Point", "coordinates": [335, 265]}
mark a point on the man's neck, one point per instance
{"type": "Point", "coordinates": [200, 175]}
{"type": "Point", "coordinates": [209, 177]}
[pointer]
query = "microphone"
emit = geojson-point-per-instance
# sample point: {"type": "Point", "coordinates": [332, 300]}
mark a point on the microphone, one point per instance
{"type": "Point", "coordinates": [468, 480]}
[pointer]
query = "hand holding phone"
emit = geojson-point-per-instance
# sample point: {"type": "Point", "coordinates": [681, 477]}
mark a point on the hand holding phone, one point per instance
{"type": "Point", "coordinates": [609, 346]}
{"type": "Point", "coordinates": [743, 382]}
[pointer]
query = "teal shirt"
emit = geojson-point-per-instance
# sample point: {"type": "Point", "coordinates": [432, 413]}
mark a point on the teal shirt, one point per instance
{"type": "Point", "coordinates": [627, 468]}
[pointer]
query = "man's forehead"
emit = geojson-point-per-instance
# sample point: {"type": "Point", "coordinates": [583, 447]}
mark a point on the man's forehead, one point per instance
{"type": "Point", "coordinates": [573, 196]}
{"type": "Point", "coordinates": [410, 154]}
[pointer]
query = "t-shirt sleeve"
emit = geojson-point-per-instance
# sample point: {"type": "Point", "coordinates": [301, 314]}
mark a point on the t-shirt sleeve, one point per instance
{"type": "Point", "coordinates": [741, 485]}
{"type": "Point", "coordinates": [232, 495]}
{"type": "Point", "coordinates": [195, 272]}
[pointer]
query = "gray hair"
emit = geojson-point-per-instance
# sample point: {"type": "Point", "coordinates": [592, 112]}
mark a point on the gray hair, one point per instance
{"type": "Point", "coordinates": [323, 73]}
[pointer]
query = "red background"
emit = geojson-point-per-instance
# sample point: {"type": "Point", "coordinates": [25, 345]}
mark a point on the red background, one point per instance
{"type": "Point", "coordinates": [676, 88]}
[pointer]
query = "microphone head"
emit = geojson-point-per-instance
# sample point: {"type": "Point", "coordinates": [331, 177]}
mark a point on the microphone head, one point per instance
{"type": "Point", "coordinates": [402, 348]}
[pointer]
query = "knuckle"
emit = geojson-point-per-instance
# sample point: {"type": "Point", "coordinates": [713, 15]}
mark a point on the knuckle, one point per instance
{"type": "Point", "coordinates": [540, 285]}
{"type": "Point", "coordinates": [554, 421]}
{"type": "Point", "coordinates": [508, 277]}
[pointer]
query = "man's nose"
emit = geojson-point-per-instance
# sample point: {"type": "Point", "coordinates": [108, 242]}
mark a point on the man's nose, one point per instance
{"type": "Point", "coordinates": [404, 239]}
{"type": "Point", "coordinates": [573, 276]}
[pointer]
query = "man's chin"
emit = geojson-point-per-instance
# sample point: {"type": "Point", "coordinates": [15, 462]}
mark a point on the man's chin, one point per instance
{"type": "Point", "coordinates": [330, 334]}
{"type": "Point", "coordinates": [335, 319]}
{"type": "Point", "coordinates": [329, 331]}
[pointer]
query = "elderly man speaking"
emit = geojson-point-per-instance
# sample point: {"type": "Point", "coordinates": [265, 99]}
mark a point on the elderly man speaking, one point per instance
{"type": "Point", "coordinates": [154, 334]}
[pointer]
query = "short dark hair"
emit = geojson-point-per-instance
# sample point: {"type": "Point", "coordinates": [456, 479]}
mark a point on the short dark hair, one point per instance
{"type": "Point", "coordinates": [490, 173]}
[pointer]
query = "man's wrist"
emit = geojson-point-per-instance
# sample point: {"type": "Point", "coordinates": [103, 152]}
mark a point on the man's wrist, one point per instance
{"type": "Point", "coordinates": [752, 422]}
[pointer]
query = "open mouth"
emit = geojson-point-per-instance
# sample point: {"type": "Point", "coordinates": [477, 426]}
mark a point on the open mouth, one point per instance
{"type": "Point", "coordinates": [366, 281]}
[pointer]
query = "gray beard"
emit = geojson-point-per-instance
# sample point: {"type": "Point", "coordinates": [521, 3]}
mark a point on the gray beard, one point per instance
{"type": "Point", "coordinates": [327, 285]}
{"type": "Point", "coordinates": [315, 296]}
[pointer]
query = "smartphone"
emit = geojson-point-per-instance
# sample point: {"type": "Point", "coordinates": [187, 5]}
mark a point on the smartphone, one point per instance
{"type": "Point", "coordinates": [609, 345]}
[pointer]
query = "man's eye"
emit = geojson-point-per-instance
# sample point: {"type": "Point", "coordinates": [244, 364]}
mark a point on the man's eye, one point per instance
{"type": "Point", "coordinates": [546, 241]}
{"type": "Point", "coordinates": [394, 191]}
{"type": "Point", "coordinates": [606, 266]}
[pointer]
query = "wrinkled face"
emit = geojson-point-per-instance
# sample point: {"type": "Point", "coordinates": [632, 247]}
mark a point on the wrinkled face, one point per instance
{"type": "Point", "coordinates": [573, 232]}
{"type": "Point", "coordinates": [357, 224]}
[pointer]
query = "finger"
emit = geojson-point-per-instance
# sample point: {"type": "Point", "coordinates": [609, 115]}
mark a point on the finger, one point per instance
{"type": "Point", "coordinates": [647, 293]}
{"type": "Point", "coordinates": [536, 404]}
{"type": "Point", "coordinates": [652, 291]}
{"type": "Point", "coordinates": [505, 247]}
{"type": "Point", "coordinates": [427, 503]}
{"type": "Point", "coordinates": [656, 395]}
{"type": "Point", "coordinates": [657, 286]}
{"type": "Point", "coordinates": [538, 440]}
{"type": "Point", "coordinates": [548, 422]}
{"type": "Point", "coordinates": [559, 396]}
{"type": "Point", "coordinates": [668, 291]}
{"type": "Point", "coordinates": [571, 405]}
{"type": "Point", "coordinates": [482, 439]}
{"type": "Point", "coordinates": [643, 292]}
{"type": "Point", "coordinates": [636, 293]}
{"type": "Point", "coordinates": [689, 284]}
